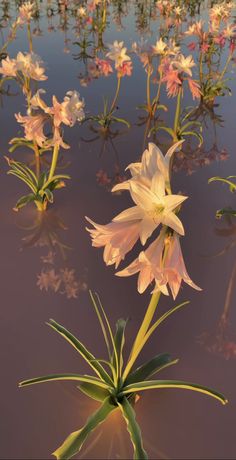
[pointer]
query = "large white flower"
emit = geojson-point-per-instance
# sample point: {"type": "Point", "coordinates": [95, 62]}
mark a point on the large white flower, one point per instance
{"type": "Point", "coordinates": [152, 208]}
{"type": "Point", "coordinates": [152, 161]}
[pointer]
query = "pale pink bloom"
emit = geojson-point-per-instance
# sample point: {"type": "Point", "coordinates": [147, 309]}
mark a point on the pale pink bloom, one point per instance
{"type": "Point", "coordinates": [194, 88]}
{"type": "Point", "coordinates": [229, 31]}
{"type": "Point", "coordinates": [73, 107]}
{"type": "Point", "coordinates": [184, 64]}
{"type": "Point", "coordinates": [26, 11]}
{"type": "Point", "coordinates": [149, 265]}
{"type": "Point", "coordinates": [174, 267]}
{"type": "Point", "coordinates": [30, 65]}
{"type": "Point", "coordinates": [104, 66]}
{"type": "Point", "coordinates": [204, 47]}
{"type": "Point", "coordinates": [195, 29]}
{"type": "Point", "coordinates": [81, 12]}
{"type": "Point", "coordinates": [125, 69]}
{"type": "Point", "coordinates": [220, 40]}
{"type": "Point", "coordinates": [9, 67]}
{"type": "Point", "coordinates": [117, 238]}
{"type": "Point", "coordinates": [152, 208]}
{"type": "Point", "coordinates": [173, 83]}
{"type": "Point", "coordinates": [152, 161]}
{"type": "Point", "coordinates": [160, 47]}
{"type": "Point", "coordinates": [33, 126]}
{"type": "Point", "coordinates": [117, 53]}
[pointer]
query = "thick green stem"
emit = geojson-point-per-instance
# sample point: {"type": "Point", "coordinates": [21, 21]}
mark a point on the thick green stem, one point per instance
{"type": "Point", "coordinates": [54, 161]}
{"type": "Point", "coordinates": [142, 332]}
{"type": "Point", "coordinates": [225, 67]}
{"type": "Point", "coordinates": [177, 115]}
{"type": "Point", "coordinates": [37, 160]}
{"type": "Point", "coordinates": [133, 429]}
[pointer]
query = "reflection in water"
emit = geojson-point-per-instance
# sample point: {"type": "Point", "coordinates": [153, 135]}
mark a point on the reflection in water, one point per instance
{"type": "Point", "coordinates": [55, 274]}
{"type": "Point", "coordinates": [223, 339]}
{"type": "Point", "coordinates": [79, 36]}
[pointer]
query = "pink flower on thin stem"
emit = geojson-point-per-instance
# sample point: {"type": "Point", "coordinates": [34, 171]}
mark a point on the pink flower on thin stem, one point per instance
{"type": "Point", "coordinates": [174, 267]}
{"type": "Point", "coordinates": [125, 69]}
{"type": "Point", "coordinates": [173, 83]}
{"type": "Point", "coordinates": [104, 66]}
{"type": "Point", "coordinates": [194, 88]}
{"type": "Point", "coordinates": [117, 238]}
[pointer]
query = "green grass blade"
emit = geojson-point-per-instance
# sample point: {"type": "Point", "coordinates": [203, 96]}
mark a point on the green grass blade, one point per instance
{"type": "Point", "coordinates": [101, 323]}
{"type": "Point", "coordinates": [75, 440]}
{"type": "Point", "coordinates": [149, 368]}
{"type": "Point", "coordinates": [133, 429]}
{"type": "Point", "coordinates": [111, 335]}
{"type": "Point", "coordinates": [156, 384]}
{"type": "Point", "coordinates": [93, 391]}
{"type": "Point", "coordinates": [82, 350]}
{"type": "Point", "coordinates": [53, 377]}
{"type": "Point", "coordinates": [119, 344]}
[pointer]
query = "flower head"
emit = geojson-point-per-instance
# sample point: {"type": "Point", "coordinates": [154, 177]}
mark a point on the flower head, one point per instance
{"type": "Point", "coordinates": [26, 11]}
{"type": "Point", "coordinates": [117, 53]}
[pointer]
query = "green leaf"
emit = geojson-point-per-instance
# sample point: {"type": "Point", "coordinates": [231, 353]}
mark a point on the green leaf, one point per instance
{"type": "Point", "coordinates": [111, 336]}
{"type": "Point", "coordinates": [93, 391]}
{"type": "Point", "coordinates": [149, 368]}
{"type": "Point", "coordinates": [156, 384]}
{"type": "Point", "coordinates": [224, 180]}
{"type": "Point", "coordinates": [119, 343]}
{"type": "Point", "coordinates": [49, 195]}
{"type": "Point", "coordinates": [75, 440]}
{"type": "Point", "coordinates": [25, 200]}
{"type": "Point", "coordinates": [121, 120]}
{"type": "Point", "coordinates": [53, 377]}
{"type": "Point", "coordinates": [103, 327]}
{"type": "Point", "coordinates": [82, 350]}
{"type": "Point", "coordinates": [57, 177]}
{"type": "Point", "coordinates": [133, 429]}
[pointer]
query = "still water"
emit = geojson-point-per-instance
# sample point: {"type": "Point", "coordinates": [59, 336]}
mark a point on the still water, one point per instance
{"type": "Point", "coordinates": [48, 264]}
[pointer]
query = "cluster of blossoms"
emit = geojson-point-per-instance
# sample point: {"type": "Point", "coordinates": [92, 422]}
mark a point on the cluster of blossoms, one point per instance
{"type": "Point", "coordinates": [100, 67]}
{"type": "Point", "coordinates": [26, 65]}
{"type": "Point", "coordinates": [67, 112]}
{"type": "Point", "coordinates": [162, 261]}
{"type": "Point", "coordinates": [173, 67]}
{"type": "Point", "coordinates": [219, 31]}
{"type": "Point", "coordinates": [26, 12]}
{"type": "Point", "coordinates": [63, 282]}
{"type": "Point", "coordinates": [172, 13]}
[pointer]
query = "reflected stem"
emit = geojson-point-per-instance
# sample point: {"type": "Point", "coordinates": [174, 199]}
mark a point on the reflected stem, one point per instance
{"type": "Point", "coordinates": [29, 38]}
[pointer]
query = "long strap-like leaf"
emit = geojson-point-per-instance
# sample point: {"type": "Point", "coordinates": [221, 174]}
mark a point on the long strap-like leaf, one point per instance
{"type": "Point", "coordinates": [149, 368]}
{"type": "Point", "coordinates": [133, 429]}
{"type": "Point", "coordinates": [79, 378]}
{"type": "Point", "coordinates": [75, 440]}
{"type": "Point", "coordinates": [156, 384]}
{"type": "Point", "coordinates": [83, 351]}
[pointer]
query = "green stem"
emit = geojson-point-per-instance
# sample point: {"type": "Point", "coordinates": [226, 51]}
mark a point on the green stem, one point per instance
{"type": "Point", "coordinates": [54, 161]}
{"type": "Point", "coordinates": [177, 115]}
{"type": "Point", "coordinates": [29, 38]}
{"type": "Point", "coordinates": [116, 96]}
{"type": "Point", "coordinates": [148, 89]}
{"type": "Point", "coordinates": [225, 67]}
{"type": "Point", "coordinates": [37, 160]}
{"type": "Point", "coordinates": [158, 94]}
{"type": "Point", "coordinates": [142, 332]}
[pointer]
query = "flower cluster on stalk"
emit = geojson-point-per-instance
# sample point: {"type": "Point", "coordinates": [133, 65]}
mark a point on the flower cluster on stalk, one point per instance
{"type": "Point", "coordinates": [162, 261]}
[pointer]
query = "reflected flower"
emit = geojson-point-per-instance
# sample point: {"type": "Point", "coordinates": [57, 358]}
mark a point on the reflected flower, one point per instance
{"type": "Point", "coordinates": [159, 47]}
{"type": "Point", "coordinates": [26, 11]}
